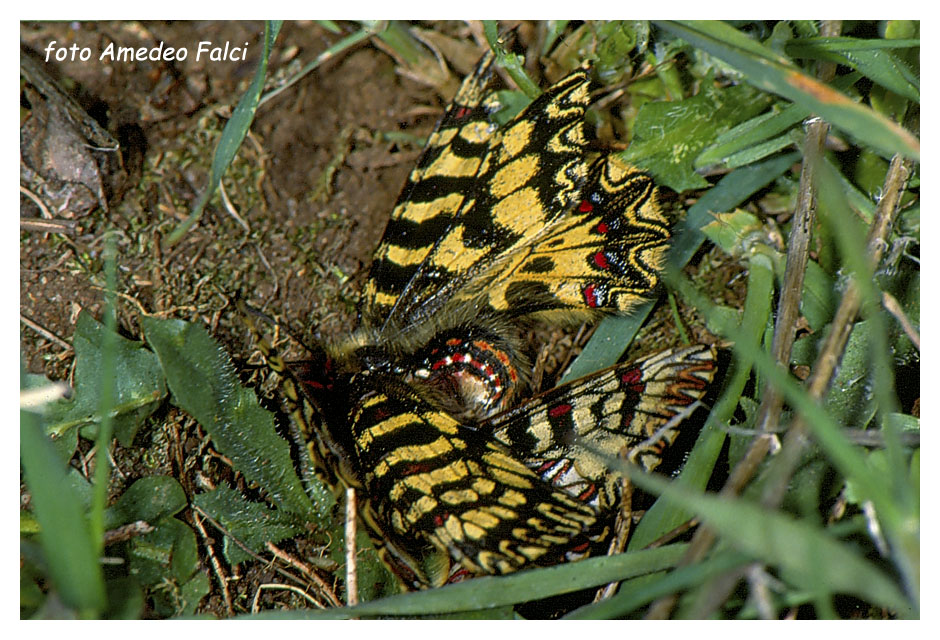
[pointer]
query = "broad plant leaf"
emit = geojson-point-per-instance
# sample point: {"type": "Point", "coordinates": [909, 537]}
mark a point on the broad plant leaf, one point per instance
{"type": "Point", "coordinates": [204, 384]}
{"type": "Point", "coordinates": [669, 136]}
{"type": "Point", "coordinates": [138, 384]}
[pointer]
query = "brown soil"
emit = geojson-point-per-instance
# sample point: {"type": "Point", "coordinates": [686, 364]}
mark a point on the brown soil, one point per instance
{"type": "Point", "coordinates": [307, 245]}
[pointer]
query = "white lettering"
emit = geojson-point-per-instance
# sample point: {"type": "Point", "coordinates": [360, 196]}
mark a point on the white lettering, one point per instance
{"type": "Point", "coordinates": [221, 54]}
{"type": "Point", "coordinates": [244, 52]}
{"type": "Point", "coordinates": [125, 54]}
{"type": "Point", "coordinates": [67, 53]}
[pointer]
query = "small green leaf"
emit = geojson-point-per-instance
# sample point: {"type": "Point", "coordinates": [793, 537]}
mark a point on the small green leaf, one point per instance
{"type": "Point", "coordinates": [149, 499]}
{"type": "Point", "coordinates": [511, 104]}
{"type": "Point", "coordinates": [850, 400]}
{"type": "Point", "coordinates": [168, 557]}
{"type": "Point", "coordinates": [191, 593]}
{"type": "Point", "coordinates": [819, 296]}
{"type": "Point", "coordinates": [732, 231]}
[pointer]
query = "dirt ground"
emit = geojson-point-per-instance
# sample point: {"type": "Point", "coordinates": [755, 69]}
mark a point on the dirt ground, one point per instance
{"type": "Point", "coordinates": [305, 251]}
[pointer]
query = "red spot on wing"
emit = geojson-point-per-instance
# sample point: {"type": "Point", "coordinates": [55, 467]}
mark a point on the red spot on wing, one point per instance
{"type": "Point", "coordinates": [590, 295]}
{"type": "Point", "coordinates": [459, 576]}
{"type": "Point", "coordinates": [416, 467]}
{"type": "Point", "coordinates": [559, 410]}
{"type": "Point", "coordinates": [632, 377]}
{"type": "Point", "coordinates": [588, 493]}
{"type": "Point", "coordinates": [603, 228]}
{"type": "Point", "coordinates": [601, 260]}
{"type": "Point", "coordinates": [462, 112]}
{"type": "Point", "coordinates": [585, 207]}
{"type": "Point", "coordinates": [548, 464]}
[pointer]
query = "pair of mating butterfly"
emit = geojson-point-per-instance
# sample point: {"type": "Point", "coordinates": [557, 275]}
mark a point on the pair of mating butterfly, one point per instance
{"type": "Point", "coordinates": [419, 410]}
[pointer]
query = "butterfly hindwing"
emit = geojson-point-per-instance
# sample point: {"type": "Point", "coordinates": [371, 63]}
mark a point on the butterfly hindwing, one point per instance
{"type": "Point", "coordinates": [633, 410]}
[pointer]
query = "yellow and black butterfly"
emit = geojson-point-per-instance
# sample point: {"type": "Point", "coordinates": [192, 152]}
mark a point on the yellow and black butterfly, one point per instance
{"type": "Point", "coordinates": [420, 411]}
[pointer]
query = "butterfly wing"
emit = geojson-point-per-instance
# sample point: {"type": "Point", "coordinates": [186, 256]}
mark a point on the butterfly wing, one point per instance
{"type": "Point", "coordinates": [485, 192]}
{"type": "Point", "coordinates": [605, 254]}
{"type": "Point", "coordinates": [435, 485]}
{"type": "Point", "coordinates": [568, 433]}
{"type": "Point", "coordinates": [520, 219]}
{"type": "Point", "coordinates": [445, 175]}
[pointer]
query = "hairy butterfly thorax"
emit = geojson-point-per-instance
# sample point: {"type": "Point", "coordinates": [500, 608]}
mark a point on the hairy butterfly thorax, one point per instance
{"type": "Point", "coordinates": [423, 408]}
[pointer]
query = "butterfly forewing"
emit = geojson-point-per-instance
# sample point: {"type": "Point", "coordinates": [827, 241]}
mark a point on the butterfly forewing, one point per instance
{"type": "Point", "coordinates": [531, 173]}
{"type": "Point", "coordinates": [446, 174]}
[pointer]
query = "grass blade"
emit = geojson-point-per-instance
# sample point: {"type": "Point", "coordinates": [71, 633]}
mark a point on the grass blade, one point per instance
{"type": "Point", "coordinates": [493, 592]}
{"type": "Point", "coordinates": [809, 555]}
{"type": "Point", "coordinates": [232, 135]}
{"type": "Point", "coordinates": [70, 552]}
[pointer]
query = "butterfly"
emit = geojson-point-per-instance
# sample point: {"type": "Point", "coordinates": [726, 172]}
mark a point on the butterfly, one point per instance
{"type": "Point", "coordinates": [421, 408]}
